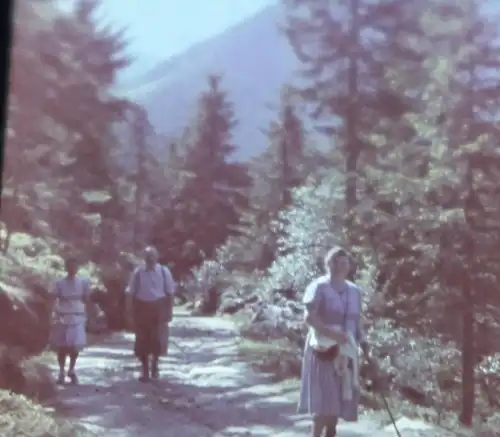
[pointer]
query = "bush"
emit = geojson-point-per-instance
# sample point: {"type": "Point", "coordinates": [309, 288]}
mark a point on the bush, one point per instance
{"type": "Point", "coordinates": [19, 416]}
{"type": "Point", "coordinates": [24, 317]}
{"type": "Point", "coordinates": [29, 376]}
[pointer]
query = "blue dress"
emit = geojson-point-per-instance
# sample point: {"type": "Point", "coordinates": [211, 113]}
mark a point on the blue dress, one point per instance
{"type": "Point", "coordinates": [321, 387]}
{"type": "Point", "coordinates": [68, 327]}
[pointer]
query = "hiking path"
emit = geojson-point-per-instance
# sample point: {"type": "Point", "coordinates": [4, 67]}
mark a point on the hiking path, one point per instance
{"type": "Point", "coordinates": [205, 389]}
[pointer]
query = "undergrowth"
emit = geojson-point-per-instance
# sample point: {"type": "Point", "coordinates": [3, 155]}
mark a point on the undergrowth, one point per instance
{"type": "Point", "coordinates": [20, 416]}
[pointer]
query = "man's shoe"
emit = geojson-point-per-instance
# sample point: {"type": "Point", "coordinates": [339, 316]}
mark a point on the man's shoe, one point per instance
{"type": "Point", "coordinates": [61, 379]}
{"type": "Point", "coordinates": [155, 373]}
{"type": "Point", "coordinates": [144, 378]}
{"type": "Point", "coordinates": [331, 432]}
{"type": "Point", "coordinates": [73, 378]}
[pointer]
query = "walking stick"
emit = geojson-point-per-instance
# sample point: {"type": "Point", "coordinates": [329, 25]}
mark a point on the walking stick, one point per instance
{"type": "Point", "coordinates": [386, 404]}
{"type": "Point", "coordinates": [374, 369]}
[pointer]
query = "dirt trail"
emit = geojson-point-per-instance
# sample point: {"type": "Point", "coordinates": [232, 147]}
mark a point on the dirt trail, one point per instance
{"type": "Point", "coordinates": [204, 391]}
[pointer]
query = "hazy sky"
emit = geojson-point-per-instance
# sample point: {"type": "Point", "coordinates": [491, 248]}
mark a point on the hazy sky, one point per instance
{"type": "Point", "coordinates": [158, 29]}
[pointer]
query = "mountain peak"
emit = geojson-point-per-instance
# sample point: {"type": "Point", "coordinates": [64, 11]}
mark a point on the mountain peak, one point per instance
{"type": "Point", "coordinates": [255, 61]}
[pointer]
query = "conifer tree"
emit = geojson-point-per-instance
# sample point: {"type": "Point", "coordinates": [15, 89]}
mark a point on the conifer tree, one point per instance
{"type": "Point", "coordinates": [87, 56]}
{"type": "Point", "coordinates": [343, 71]}
{"type": "Point", "coordinates": [434, 191]}
{"type": "Point", "coordinates": [209, 204]}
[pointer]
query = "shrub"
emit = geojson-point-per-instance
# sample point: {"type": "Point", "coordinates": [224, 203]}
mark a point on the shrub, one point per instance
{"type": "Point", "coordinates": [19, 416]}
{"type": "Point", "coordinates": [21, 374]}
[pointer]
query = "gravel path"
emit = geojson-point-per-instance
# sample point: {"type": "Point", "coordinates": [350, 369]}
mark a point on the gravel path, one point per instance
{"type": "Point", "coordinates": [204, 390]}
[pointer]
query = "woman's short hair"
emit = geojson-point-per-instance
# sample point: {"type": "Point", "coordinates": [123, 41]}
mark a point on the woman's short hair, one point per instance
{"type": "Point", "coordinates": [333, 254]}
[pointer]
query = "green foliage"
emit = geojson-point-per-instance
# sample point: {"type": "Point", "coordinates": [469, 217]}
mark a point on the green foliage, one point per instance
{"type": "Point", "coordinates": [407, 96]}
{"type": "Point", "coordinates": [309, 228]}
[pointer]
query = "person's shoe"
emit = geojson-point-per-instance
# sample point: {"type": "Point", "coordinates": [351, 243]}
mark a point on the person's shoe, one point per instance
{"type": "Point", "coordinates": [331, 432]}
{"type": "Point", "coordinates": [61, 379]}
{"type": "Point", "coordinates": [144, 378]}
{"type": "Point", "coordinates": [145, 371]}
{"type": "Point", "coordinates": [73, 378]}
{"type": "Point", "coordinates": [155, 373]}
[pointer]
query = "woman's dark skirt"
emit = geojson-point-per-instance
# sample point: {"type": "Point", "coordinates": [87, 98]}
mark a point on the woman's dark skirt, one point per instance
{"type": "Point", "coordinates": [151, 333]}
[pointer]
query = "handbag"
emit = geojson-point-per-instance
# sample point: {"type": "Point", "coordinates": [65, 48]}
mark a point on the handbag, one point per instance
{"type": "Point", "coordinates": [332, 352]}
{"type": "Point", "coordinates": [328, 354]}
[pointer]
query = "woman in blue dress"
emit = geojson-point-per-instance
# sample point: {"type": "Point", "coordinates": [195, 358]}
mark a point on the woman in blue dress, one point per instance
{"type": "Point", "coordinates": [331, 302]}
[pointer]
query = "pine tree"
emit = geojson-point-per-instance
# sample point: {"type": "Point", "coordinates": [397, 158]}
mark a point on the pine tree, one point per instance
{"type": "Point", "coordinates": [434, 193]}
{"type": "Point", "coordinates": [343, 68]}
{"type": "Point", "coordinates": [141, 131]}
{"type": "Point", "coordinates": [87, 56]}
{"type": "Point", "coordinates": [29, 139]}
{"type": "Point", "coordinates": [209, 204]}
{"type": "Point", "coordinates": [275, 173]}
{"type": "Point", "coordinates": [290, 136]}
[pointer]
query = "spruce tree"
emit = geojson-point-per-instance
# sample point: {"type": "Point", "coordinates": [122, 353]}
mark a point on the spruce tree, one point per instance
{"type": "Point", "coordinates": [275, 173]}
{"type": "Point", "coordinates": [343, 47]}
{"type": "Point", "coordinates": [88, 57]}
{"type": "Point", "coordinates": [209, 204]}
{"type": "Point", "coordinates": [433, 193]}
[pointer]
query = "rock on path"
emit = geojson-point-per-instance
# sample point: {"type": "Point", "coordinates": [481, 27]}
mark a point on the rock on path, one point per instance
{"type": "Point", "coordinates": [204, 390]}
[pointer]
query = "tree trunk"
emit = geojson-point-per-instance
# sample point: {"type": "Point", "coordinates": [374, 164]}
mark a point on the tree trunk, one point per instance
{"type": "Point", "coordinates": [352, 142]}
{"type": "Point", "coordinates": [468, 377]}
{"type": "Point", "coordinates": [285, 170]}
{"type": "Point", "coordinates": [468, 347]}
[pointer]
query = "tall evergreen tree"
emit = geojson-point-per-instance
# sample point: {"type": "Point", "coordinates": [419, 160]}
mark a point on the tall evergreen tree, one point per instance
{"type": "Point", "coordinates": [30, 134]}
{"type": "Point", "coordinates": [210, 202]}
{"type": "Point", "coordinates": [88, 57]}
{"type": "Point", "coordinates": [437, 203]}
{"type": "Point", "coordinates": [343, 47]}
{"type": "Point", "coordinates": [275, 174]}
{"type": "Point", "coordinates": [289, 133]}
{"type": "Point", "coordinates": [140, 133]}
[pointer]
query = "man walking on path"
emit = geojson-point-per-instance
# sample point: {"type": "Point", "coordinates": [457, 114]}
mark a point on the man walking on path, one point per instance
{"type": "Point", "coordinates": [150, 297]}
